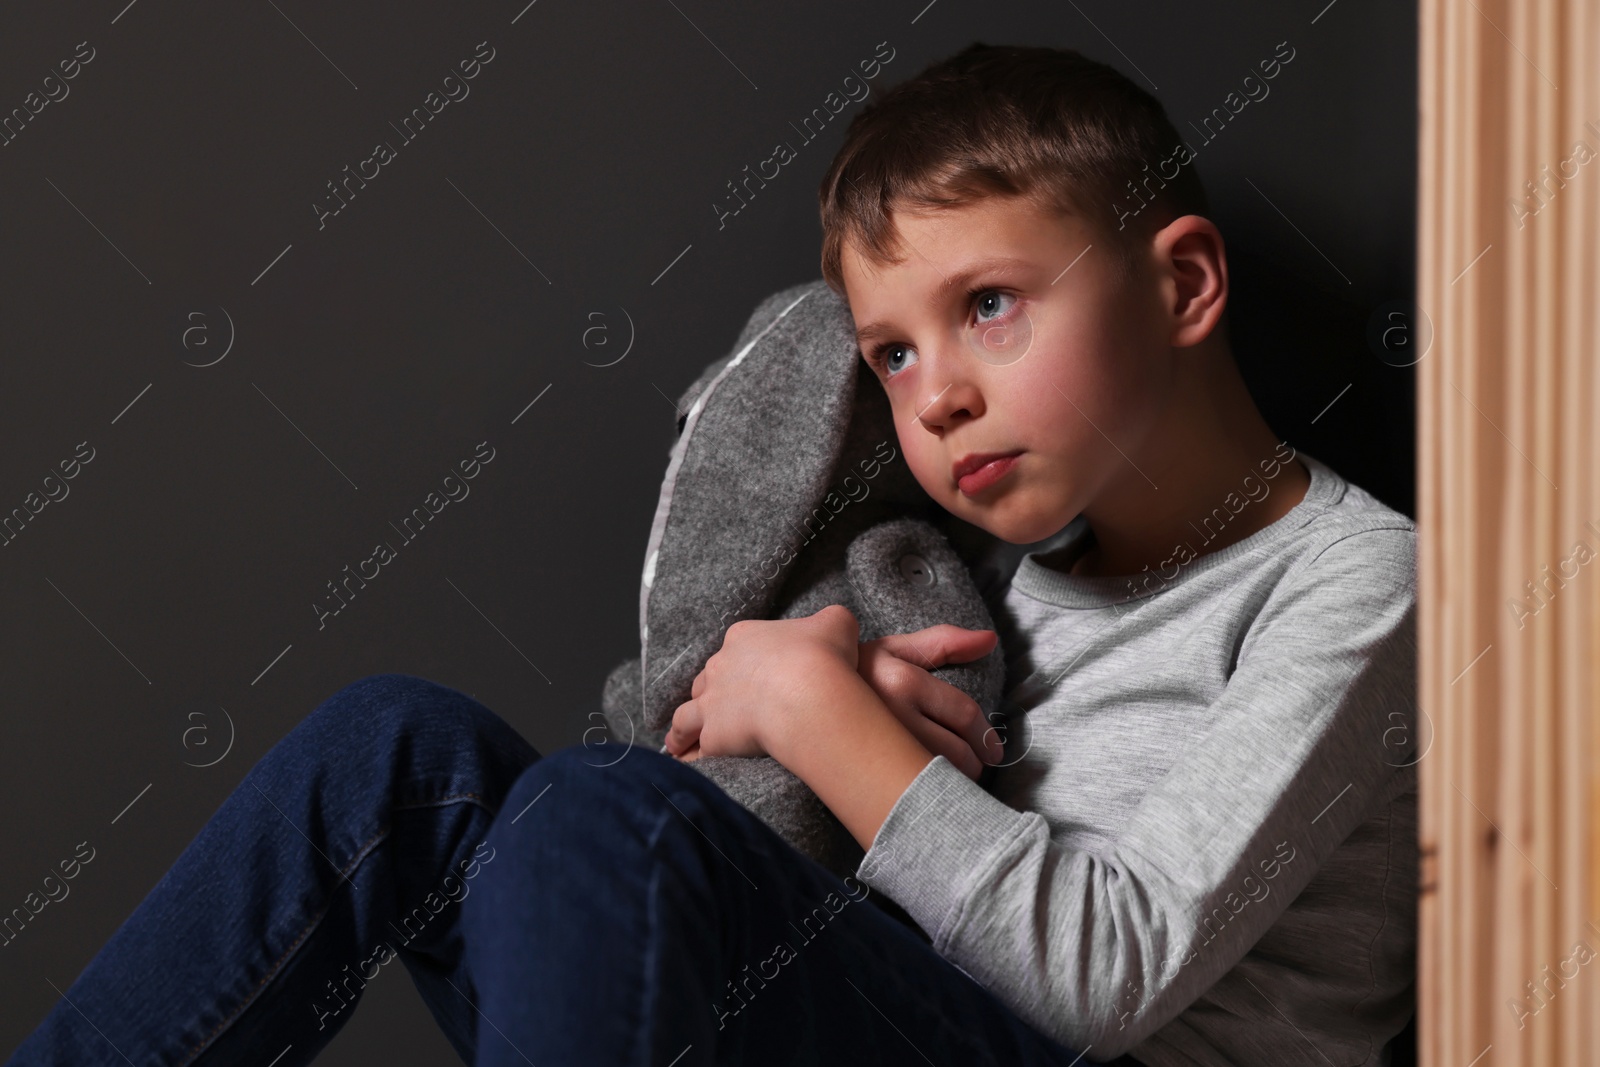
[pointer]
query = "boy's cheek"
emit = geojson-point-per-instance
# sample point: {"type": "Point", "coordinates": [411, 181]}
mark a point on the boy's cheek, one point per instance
{"type": "Point", "coordinates": [926, 469]}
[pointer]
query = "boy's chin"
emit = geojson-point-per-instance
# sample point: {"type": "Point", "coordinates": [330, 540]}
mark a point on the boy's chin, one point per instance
{"type": "Point", "coordinates": [1012, 537]}
{"type": "Point", "coordinates": [1011, 528]}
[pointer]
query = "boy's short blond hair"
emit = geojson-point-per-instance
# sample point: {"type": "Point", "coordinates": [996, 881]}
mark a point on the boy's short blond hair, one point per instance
{"type": "Point", "coordinates": [1045, 123]}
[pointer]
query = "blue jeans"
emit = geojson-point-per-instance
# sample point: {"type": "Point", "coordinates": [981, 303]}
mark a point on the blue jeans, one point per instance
{"type": "Point", "coordinates": [577, 908]}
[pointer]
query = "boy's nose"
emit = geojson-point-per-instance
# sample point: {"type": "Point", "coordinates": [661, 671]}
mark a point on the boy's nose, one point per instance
{"type": "Point", "coordinates": [946, 398]}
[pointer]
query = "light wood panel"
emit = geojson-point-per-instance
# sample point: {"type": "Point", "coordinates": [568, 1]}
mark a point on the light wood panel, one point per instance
{"type": "Point", "coordinates": [1509, 489]}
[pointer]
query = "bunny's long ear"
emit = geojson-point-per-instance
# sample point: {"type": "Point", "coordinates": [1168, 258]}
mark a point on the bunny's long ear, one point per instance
{"type": "Point", "coordinates": [762, 430]}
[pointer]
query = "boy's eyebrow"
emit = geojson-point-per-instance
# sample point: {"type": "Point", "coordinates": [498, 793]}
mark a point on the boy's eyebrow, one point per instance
{"type": "Point", "coordinates": [959, 280]}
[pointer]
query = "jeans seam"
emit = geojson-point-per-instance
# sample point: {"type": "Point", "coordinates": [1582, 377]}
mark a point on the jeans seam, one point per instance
{"type": "Point", "coordinates": [651, 961]}
{"type": "Point", "coordinates": [278, 965]}
{"type": "Point", "coordinates": [450, 799]}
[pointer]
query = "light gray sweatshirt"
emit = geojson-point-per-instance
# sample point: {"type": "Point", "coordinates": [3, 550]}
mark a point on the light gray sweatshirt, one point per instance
{"type": "Point", "coordinates": [1202, 846]}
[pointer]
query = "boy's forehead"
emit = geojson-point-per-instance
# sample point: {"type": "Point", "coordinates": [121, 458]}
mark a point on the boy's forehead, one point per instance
{"type": "Point", "coordinates": [870, 288]}
{"type": "Point", "coordinates": [941, 238]}
{"type": "Point", "coordinates": [938, 250]}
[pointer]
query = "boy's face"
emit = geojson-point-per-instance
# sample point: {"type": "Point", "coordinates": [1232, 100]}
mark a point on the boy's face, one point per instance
{"type": "Point", "coordinates": [1048, 356]}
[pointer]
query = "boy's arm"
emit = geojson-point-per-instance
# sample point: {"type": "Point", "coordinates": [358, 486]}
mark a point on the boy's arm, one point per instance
{"type": "Point", "coordinates": [853, 753]}
{"type": "Point", "coordinates": [1103, 948]}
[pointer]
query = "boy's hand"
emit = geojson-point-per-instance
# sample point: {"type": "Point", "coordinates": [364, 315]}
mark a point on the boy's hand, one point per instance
{"type": "Point", "coordinates": [944, 719]}
{"type": "Point", "coordinates": [770, 673]}
{"type": "Point", "coordinates": [767, 676]}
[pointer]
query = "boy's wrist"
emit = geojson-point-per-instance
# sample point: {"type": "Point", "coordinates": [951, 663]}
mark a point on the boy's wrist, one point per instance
{"type": "Point", "coordinates": [820, 688]}
{"type": "Point", "coordinates": [849, 748]}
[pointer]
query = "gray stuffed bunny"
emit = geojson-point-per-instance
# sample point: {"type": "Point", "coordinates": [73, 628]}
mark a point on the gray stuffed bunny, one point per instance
{"type": "Point", "coordinates": [786, 492]}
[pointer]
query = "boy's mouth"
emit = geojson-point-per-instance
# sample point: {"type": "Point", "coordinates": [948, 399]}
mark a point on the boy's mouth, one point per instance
{"type": "Point", "coordinates": [976, 471]}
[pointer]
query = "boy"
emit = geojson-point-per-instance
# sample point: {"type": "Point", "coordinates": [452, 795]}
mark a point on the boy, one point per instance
{"type": "Point", "coordinates": [1200, 847]}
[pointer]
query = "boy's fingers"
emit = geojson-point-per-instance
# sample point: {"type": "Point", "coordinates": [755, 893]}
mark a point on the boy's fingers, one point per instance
{"type": "Point", "coordinates": [959, 714]}
{"type": "Point", "coordinates": [941, 644]}
{"type": "Point", "coordinates": [839, 623]}
{"type": "Point", "coordinates": [684, 733]}
{"type": "Point", "coordinates": [936, 712]}
{"type": "Point", "coordinates": [942, 742]}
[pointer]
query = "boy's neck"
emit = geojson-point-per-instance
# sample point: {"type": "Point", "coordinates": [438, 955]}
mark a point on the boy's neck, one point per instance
{"type": "Point", "coordinates": [1206, 445]}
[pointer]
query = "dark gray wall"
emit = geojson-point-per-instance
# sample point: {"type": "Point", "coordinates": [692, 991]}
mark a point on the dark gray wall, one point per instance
{"type": "Point", "coordinates": [164, 209]}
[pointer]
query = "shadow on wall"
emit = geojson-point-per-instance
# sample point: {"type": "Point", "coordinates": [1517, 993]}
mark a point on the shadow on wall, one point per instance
{"type": "Point", "coordinates": [1307, 353]}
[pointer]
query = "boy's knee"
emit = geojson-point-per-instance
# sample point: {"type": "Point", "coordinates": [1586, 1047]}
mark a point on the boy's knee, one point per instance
{"type": "Point", "coordinates": [374, 704]}
{"type": "Point", "coordinates": [378, 711]}
{"type": "Point", "coordinates": [377, 692]}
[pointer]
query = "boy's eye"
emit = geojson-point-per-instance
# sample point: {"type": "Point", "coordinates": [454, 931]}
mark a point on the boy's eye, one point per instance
{"type": "Point", "coordinates": [989, 301]}
{"type": "Point", "coordinates": [885, 358]}
{"type": "Point", "coordinates": [989, 304]}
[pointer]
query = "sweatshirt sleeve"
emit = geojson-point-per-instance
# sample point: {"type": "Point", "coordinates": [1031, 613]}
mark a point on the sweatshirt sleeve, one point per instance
{"type": "Point", "coordinates": [1101, 949]}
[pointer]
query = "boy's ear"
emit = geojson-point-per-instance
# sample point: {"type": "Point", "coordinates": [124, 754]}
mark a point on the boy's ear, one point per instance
{"type": "Point", "coordinates": [1193, 274]}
